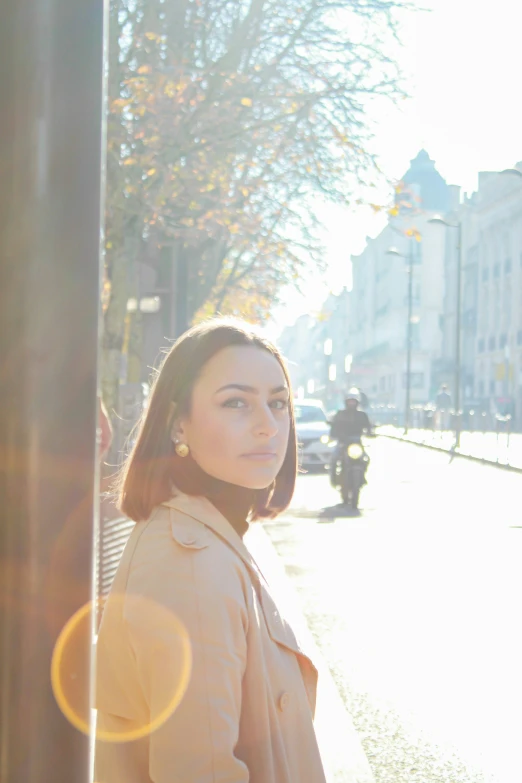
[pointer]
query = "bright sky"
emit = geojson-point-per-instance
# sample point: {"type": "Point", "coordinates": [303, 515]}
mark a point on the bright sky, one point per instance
{"type": "Point", "coordinates": [463, 60]}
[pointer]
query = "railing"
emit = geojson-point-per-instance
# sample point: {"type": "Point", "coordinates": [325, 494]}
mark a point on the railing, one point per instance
{"type": "Point", "coordinates": [499, 446]}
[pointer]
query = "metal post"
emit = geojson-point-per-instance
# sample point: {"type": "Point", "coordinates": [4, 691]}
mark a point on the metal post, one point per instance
{"type": "Point", "coordinates": [181, 298]}
{"type": "Point", "coordinates": [409, 339]}
{"type": "Point", "coordinates": [51, 56]}
{"type": "Point", "coordinates": [458, 335]}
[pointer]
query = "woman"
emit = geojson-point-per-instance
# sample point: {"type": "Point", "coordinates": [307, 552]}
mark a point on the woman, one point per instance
{"type": "Point", "coordinates": [216, 449]}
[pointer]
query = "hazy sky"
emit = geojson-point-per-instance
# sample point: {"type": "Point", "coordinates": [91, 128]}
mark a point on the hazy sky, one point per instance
{"type": "Point", "coordinates": [464, 67]}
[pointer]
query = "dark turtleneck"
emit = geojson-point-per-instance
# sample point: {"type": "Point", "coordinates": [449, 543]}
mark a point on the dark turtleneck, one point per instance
{"type": "Point", "coordinates": [231, 500]}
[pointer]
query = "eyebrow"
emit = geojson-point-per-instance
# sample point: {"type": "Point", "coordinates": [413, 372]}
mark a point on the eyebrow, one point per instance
{"type": "Point", "coordinates": [251, 389]}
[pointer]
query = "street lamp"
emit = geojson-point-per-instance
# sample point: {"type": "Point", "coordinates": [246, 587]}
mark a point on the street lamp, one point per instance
{"type": "Point", "coordinates": [392, 251]}
{"type": "Point", "coordinates": [438, 219]}
{"type": "Point", "coordinates": [328, 349]}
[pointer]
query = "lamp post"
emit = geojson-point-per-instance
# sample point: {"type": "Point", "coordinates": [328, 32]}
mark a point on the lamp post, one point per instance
{"type": "Point", "coordinates": [438, 219]}
{"type": "Point", "coordinates": [392, 251]}
{"type": "Point", "coordinates": [328, 349]}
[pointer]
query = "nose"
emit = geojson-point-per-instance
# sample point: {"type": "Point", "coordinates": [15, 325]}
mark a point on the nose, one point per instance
{"type": "Point", "coordinates": [265, 424]}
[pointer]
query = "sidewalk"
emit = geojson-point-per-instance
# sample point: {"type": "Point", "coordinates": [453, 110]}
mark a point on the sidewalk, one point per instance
{"type": "Point", "coordinates": [498, 449]}
{"type": "Point", "coordinates": [341, 750]}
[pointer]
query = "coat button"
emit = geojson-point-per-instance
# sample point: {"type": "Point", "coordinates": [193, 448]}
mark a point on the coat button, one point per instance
{"type": "Point", "coordinates": [283, 701]}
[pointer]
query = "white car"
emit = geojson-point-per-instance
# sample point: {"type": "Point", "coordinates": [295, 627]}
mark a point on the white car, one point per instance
{"type": "Point", "coordinates": [313, 434]}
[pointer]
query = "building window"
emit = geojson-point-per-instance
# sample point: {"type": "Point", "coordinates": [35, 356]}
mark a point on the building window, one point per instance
{"type": "Point", "coordinates": [519, 337]}
{"type": "Point", "coordinates": [485, 272]}
{"type": "Point", "coordinates": [496, 270]}
{"type": "Point", "coordinates": [507, 303]}
{"type": "Point", "coordinates": [496, 305]}
{"type": "Point", "coordinates": [507, 266]}
{"type": "Point", "coordinates": [503, 340]}
{"type": "Point", "coordinates": [492, 387]}
{"type": "Point", "coordinates": [492, 343]}
{"type": "Point", "coordinates": [481, 345]}
{"type": "Point", "coordinates": [481, 388]}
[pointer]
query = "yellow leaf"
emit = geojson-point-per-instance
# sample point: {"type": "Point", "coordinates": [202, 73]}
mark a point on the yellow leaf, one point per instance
{"type": "Point", "coordinates": [144, 69]}
{"type": "Point", "coordinates": [393, 211]}
{"type": "Point", "coordinates": [151, 172]}
{"type": "Point", "coordinates": [376, 207]}
{"type": "Point", "coordinates": [152, 36]}
{"type": "Point", "coordinates": [129, 162]}
{"type": "Point", "coordinates": [244, 191]}
{"type": "Point", "coordinates": [246, 102]}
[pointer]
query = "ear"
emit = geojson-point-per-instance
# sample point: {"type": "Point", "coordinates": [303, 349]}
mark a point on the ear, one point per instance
{"type": "Point", "coordinates": [177, 430]}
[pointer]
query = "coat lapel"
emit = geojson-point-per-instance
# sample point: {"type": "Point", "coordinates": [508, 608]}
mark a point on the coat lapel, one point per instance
{"type": "Point", "coordinates": [202, 510]}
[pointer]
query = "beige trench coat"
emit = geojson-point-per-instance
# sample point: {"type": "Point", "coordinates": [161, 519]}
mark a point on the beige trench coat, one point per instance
{"type": "Point", "coordinates": [247, 713]}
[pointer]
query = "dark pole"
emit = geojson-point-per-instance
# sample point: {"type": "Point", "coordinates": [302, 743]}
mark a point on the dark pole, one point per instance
{"type": "Point", "coordinates": [458, 335]}
{"type": "Point", "coordinates": [181, 288]}
{"type": "Point", "coordinates": [409, 339]}
{"type": "Point", "coordinates": [51, 56]}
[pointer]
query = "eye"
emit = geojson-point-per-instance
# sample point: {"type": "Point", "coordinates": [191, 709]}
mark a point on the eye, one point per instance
{"type": "Point", "coordinates": [279, 405]}
{"type": "Point", "coordinates": [234, 402]}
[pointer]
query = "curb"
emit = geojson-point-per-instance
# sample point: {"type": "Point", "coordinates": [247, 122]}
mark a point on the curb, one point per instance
{"type": "Point", "coordinates": [480, 460]}
{"type": "Point", "coordinates": [341, 750]}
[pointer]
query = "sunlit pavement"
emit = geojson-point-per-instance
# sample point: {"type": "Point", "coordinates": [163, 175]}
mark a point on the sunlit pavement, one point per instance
{"type": "Point", "coordinates": [501, 447]}
{"type": "Point", "coordinates": [417, 607]}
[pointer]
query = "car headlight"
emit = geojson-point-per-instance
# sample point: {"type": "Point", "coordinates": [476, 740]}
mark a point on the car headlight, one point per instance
{"type": "Point", "coordinates": [355, 451]}
{"type": "Point", "coordinates": [324, 438]}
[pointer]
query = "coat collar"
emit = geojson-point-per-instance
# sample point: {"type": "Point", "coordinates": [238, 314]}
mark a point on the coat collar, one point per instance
{"type": "Point", "coordinates": [201, 509]}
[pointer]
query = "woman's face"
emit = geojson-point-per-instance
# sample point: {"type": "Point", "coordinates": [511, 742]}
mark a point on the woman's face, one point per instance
{"type": "Point", "coordinates": [239, 422]}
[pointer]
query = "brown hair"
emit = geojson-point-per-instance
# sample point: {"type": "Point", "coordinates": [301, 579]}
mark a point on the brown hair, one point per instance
{"type": "Point", "coordinates": [153, 469]}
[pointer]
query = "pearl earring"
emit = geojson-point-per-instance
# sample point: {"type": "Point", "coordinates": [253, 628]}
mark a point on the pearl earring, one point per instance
{"type": "Point", "coordinates": [182, 450]}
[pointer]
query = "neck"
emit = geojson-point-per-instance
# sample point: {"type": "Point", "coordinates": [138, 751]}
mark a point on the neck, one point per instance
{"type": "Point", "coordinates": [235, 503]}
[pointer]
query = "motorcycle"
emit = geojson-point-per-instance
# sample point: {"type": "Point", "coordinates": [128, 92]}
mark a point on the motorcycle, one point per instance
{"type": "Point", "coordinates": [352, 462]}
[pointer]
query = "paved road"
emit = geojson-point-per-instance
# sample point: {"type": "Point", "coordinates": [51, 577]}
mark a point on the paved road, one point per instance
{"type": "Point", "coordinates": [417, 606]}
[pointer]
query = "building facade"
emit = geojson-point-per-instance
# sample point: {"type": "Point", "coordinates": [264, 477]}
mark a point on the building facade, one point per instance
{"type": "Point", "coordinates": [317, 350]}
{"type": "Point", "coordinates": [380, 297]}
{"type": "Point", "coordinates": [497, 359]}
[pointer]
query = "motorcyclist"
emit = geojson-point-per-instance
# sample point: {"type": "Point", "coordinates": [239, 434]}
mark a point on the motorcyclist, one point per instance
{"type": "Point", "coordinates": [348, 426]}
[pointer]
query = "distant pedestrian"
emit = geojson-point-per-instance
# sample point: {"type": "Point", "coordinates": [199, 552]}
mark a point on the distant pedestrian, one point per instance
{"type": "Point", "coordinates": [443, 407]}
{"type": "Point", "coordinates": [215, 450]}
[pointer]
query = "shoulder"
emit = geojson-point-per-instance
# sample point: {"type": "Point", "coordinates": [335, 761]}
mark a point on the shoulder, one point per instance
{"type": "Point", "coordinates": [175, 547]}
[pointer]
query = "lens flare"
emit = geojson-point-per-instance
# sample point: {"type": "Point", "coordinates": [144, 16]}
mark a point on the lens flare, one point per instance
{"type": "Point", "coordinates": [75, 679]}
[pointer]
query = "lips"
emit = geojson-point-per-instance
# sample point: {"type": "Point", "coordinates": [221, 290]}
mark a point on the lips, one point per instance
{"type": "Point", "coordinates": [260, 456]}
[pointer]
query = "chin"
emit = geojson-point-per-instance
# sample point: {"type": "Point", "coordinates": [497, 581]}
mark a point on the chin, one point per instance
{"type": "Point", "coordinates": [259, 484]}
{"type": "Point", "coordinates": [258, 479]}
